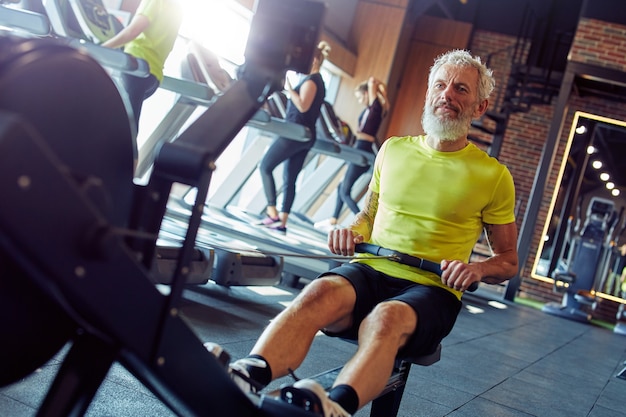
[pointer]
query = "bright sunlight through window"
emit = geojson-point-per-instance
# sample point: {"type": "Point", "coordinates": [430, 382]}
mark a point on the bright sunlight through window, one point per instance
{"type": "Point", "coordinates": [220, 26]}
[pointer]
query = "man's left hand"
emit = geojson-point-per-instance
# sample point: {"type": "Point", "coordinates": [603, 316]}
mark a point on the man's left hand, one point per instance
{"type": "Point", "coordinates": [458, 275]}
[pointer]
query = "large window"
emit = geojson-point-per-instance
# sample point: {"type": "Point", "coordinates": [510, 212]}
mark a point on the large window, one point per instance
{"type": "Point", "coordinates": [220, 26]}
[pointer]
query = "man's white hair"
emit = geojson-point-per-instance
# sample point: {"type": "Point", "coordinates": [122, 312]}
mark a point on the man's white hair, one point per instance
{"type": "Point", "coordinates": [460, 57]}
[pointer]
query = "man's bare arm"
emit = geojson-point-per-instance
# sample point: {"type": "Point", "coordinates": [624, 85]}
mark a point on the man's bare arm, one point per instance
{"type": "Point", "coordinates": [499, 267]}
{"type": "Point", "coordinates": [503, 264]}
{"type": "Point", "coordinates": [343, 241]}
{"type": "Point", "coordinates": [137, 25]}
{"type": "Point", "coordinates": [363, 223]}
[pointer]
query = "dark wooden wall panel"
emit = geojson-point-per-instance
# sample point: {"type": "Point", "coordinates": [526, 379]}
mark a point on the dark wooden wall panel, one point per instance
{"type": "Point", "coordinates": [432, 37]}
{"type": "Point", "coordinates": [375, 34]}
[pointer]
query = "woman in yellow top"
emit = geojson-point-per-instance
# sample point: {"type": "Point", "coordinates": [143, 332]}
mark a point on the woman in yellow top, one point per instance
{"type": "Point", "coordinates": [150, 36]}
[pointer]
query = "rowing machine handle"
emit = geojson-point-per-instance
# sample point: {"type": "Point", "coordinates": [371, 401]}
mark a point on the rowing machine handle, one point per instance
{"type": "Point", "coordinates": [365, 248]}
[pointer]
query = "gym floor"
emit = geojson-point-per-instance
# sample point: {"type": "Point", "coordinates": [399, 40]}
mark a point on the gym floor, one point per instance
{"type": "Point", "coordinates": [502, 359]}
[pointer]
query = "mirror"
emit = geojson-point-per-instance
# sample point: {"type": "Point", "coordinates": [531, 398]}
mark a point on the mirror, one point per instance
{"type": "Point", "coordinates": [588, 203]}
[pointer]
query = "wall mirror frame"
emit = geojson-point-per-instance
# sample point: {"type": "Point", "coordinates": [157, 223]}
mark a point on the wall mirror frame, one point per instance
{"type": "Point", "coordinates": [581, 180]}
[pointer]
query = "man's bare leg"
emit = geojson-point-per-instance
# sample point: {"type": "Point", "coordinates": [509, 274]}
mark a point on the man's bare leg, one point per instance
{"type": "Point", "coordinates": [324, 303]}
{"type": "Point", "coordinates": [383, 332]}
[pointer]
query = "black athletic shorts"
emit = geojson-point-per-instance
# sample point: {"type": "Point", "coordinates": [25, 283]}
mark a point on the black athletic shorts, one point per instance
{"type": "Point", "coordinates": [436, 308]}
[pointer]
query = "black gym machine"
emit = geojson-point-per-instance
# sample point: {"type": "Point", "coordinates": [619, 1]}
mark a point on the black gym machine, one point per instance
{"type": "Point", "coordinates": [78, 238]}
{"type": "Point", "coordinates": [576, 272]}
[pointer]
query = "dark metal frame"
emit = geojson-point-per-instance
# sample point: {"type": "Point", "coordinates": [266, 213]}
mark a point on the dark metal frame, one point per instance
{"type": "Point", "coordinates": [99, 275]}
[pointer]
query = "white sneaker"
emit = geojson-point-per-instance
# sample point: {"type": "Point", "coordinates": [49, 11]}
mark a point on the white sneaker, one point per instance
{"type": "Point", "coordinates": [311, 396]}
{"type": "Point", "coordinates": [237, 370]}
{"type": "Point", "coordinates": [325, 225]}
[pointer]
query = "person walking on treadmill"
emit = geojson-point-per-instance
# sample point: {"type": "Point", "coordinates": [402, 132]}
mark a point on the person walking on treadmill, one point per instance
{"type": "Point", "coordinates": [150, 36]}
{"type": "Point", "coordinates": [373, 95]}
{"type": "Point", "coordinates": [303, 107]}
{"type": "Point", "coordinates": [430, 197]}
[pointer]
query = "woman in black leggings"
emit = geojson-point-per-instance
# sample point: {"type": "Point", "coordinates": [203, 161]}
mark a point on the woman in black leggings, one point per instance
{"type": "Point", "coordinates": [303, 107]}
{"type": "Point", "coordinates": [373, 94]}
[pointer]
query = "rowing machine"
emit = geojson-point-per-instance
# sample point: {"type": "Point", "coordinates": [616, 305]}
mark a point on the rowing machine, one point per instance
{"type": "Point", "coordinates": [74, 228]}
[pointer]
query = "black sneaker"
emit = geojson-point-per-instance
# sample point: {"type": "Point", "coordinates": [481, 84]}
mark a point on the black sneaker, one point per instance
{"type": "Point", "coordinates": [311, 396]}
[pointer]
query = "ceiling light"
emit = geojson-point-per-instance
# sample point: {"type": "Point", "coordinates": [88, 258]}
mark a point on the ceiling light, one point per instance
{"type": "Point", "coordinates": [615, 192]}
{"type": "Point", "coordinates": [591, 149]}
{"type": "Point", "coordinates": [610, 185]}
{"type": "Point", "coordinates": [596, 164]}
{"type": "Point", "coordinates": [605, 176]}
{"type": "Point", "coordinates": [581, 129]}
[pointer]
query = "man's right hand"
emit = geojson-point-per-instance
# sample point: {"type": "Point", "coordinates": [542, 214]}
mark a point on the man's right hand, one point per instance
{"type": "Point", "coordinates": [343, 241]}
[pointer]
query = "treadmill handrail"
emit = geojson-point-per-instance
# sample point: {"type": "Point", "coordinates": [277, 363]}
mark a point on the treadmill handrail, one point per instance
{"type": "Point", "coordinates": [349, 152]}
{"type": "Point", "coordinates": [31, 22]}
{"type": "Point", "coordinates": [195, 92]}
{"type": "Point", "coordinates": [41, 25]}
{"type": "Point", "coordinates": [263, 121]}
{"type": "Point", "coordinates": [112, 58]}
{"type": "Point", "coordinates": [345, 152]}
{"type": "Point", "coordinates": [326, 146]}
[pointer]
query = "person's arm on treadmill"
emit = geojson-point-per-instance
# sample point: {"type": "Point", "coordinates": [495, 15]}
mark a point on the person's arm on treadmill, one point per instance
{"type": "Point", "coordinates": [137, 25]}
{"type": "Point", "coordinates": [303, 100]}
{"type": "Point", "coordinates": [377, 89]}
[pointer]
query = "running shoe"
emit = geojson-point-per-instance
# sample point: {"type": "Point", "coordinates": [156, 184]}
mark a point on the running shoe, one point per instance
{"type": "Point", "coordinates": [240, 374]}
{"type": "Point", "coordinates": [311, 396]}
{"type": "Point", "coordinates": [268, 222]}
{"type": "Point", "coordinates": [238, 370]}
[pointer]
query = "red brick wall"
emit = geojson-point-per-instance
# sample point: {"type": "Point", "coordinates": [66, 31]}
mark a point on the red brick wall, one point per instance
{"type": "Point", "coordinates": [596, 43]}
{"type": "Point", "coordinates": [526, 132]}
{"type": "Point", "coordinates": [600, 43]}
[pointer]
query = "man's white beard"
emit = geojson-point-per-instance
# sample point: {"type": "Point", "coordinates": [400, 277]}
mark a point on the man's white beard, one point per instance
{"type": "Point", "coordinates": [443, 128]}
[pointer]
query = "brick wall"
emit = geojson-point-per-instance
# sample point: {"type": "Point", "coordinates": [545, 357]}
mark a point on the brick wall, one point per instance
{"type": "Point", "coordinates": [600, 43]}
{"type": "Point", "coordinates": [526, 132]}
{"type": "Point", "coordinates": [597, 43]}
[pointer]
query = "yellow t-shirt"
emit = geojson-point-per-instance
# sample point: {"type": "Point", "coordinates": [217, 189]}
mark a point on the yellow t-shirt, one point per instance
{"type": "Point", "coordinates": [157, 41]}
{"type": "Point", "coordinates": [433, 204]}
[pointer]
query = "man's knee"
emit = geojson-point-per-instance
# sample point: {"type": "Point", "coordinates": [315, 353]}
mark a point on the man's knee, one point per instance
{"type": "Point", "coordinates": [391, 318]}
{"type": "Point", "coordinates": [328, 287]}
{"type": "Point", "coordinates": [331, 295]}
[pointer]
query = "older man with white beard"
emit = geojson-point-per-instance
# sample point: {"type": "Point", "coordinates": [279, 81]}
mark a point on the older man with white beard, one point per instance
{"type": "Point", "coordinates": [430, 197]}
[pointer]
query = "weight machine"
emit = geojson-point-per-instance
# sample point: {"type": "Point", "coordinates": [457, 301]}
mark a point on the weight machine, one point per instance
{"type": "Point", "coordinates": [575, 275]}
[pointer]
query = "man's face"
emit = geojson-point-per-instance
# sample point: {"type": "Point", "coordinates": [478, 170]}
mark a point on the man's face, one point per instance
{"type": "Point", "coordinates": [452, 102]}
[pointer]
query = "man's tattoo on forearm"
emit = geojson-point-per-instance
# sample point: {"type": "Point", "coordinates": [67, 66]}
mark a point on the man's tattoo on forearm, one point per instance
{"type": "Point", "coordinates": [371, 207]}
